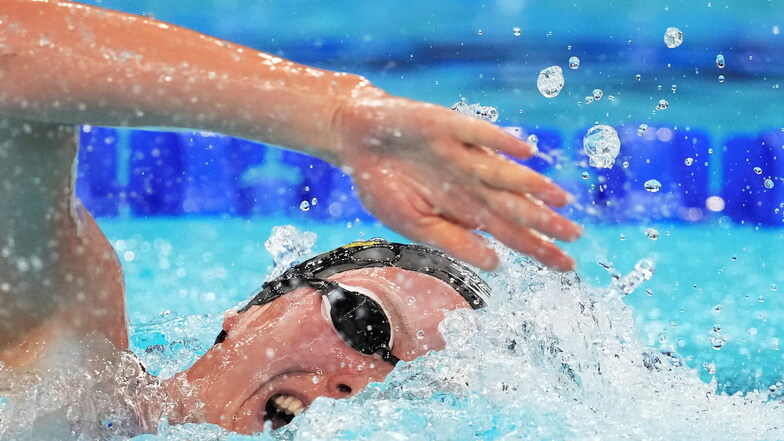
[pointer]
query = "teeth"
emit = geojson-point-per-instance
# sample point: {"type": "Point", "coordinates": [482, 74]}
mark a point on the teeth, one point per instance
{"type": "Point", "coordinates": [290, 405]}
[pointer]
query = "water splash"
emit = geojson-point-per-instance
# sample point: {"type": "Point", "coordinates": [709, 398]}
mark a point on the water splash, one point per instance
{"type": "Point", "coordinates": [549, 358]}
{"type": "Point", "coordinates": [475, 110]}
{"type": "Point", "coordinates": [288, 245]}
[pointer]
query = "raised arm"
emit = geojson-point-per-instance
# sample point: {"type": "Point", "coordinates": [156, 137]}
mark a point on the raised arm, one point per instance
{"type": "Point", "coordinates": [424, 170]}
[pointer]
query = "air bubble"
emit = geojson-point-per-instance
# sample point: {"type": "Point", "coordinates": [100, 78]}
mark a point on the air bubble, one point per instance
{"type": "Point", "coordinates": [717, 342]}
{"type": "Point", "coordinates": [720, 61]}
{"type": "Point", "coordinates": [574, 62]}
{"type": "Point", "coordinates": [663, 104]}
{"type": "Point", "coordinates": [550, 81]}
{"type": "Point", "coordinates": [602, 145]}
{"type": "Point", "coordinates": [673, 37]}
{"type": "Point", "coordinates": [475, 110]}
{"type": "Point", "coordinates": [652, 234]}
{"type": "Point", "coordinates": [641, 129]}
{"type": "Point", "coordinates": [597, 94]}
{"type": "Point", "coordinates": [652, 185]}
{"type": "Point", "coordinates": [768, 183]}
{"type": "Point", "coordinates": [758, 170]}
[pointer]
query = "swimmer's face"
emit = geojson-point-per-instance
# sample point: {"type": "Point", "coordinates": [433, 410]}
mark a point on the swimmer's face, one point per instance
{"type": "Point", "coordinates": [279, 357]}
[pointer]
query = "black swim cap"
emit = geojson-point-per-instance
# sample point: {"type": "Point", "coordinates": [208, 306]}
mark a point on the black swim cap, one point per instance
{"type": "Point", "coordinates": [378, 253]}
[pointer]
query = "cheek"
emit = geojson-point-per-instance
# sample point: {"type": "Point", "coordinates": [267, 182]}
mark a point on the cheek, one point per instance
{"type": "Point", "coordinates": [248, 418]}
{"type": "Point", "coordinates": [424, 336]}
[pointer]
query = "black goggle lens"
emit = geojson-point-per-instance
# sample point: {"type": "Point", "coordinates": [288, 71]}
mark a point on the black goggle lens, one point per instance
{"type": "Point", "coordinates": [360, 321]}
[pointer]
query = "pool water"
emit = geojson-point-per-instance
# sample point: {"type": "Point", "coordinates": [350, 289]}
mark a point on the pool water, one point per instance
{"type": "Point", "coordinates": [577, 364]}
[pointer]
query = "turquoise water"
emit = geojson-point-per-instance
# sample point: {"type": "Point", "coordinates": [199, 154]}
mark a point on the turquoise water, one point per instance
{"type": "Point", "coordinates": [194, 269]}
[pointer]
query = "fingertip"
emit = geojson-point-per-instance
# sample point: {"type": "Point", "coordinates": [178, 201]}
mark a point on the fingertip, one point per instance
{"type": "Point", "coordinates": [490, 262]}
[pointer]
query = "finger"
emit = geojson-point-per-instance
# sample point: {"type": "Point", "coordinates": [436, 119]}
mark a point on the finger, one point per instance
{"type": "Point", "coordinates": [529, 243]}
{"type": "Point", "coordinates": [457, 241]}
{"type": "Point", "coordinates": [478, 132]}
{"type": "Point", "coordinates": [504, 174]}
{"type": "Point", "coordinates": [529, 212]}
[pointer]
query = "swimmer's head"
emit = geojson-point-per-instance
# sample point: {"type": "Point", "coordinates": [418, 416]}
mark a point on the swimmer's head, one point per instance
{"type": "Point", "coordinates": [328, 327]}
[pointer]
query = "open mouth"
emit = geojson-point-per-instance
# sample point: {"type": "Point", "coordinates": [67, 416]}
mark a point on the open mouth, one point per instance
{"type": "Point", "coordinates": [281, 409]}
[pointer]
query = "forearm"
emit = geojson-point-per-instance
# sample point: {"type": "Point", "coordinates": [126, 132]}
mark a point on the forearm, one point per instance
{"type": "Point", "coordinates": [70, 63]}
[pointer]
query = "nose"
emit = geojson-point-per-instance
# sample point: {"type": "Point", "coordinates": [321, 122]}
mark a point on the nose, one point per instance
{"type": "Point", "coordinates": [348, 382]}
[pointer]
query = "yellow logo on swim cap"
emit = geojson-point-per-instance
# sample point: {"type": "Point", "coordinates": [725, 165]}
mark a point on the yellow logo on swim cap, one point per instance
{"type": "Point", "coordinates": [362, 243]}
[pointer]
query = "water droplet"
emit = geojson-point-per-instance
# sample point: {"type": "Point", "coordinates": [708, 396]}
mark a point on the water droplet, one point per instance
{"type": "Point", "coordinates": [649, 292]}
{"type": "Point", "coordinates": [602, 145]}
{"type": "Point", "coordinates": [304, 206]}
{"type": "Point", "coordinates": [574, 62]}
{"type": "Point", "coordinates": [757, 170]}
{"type": "Point", "coordinates": [652, 185]}
{"type": "Point", "coordinates": [768, 183]}
{"type": "Point", "coordinates": [585, 175]}
{"type": "Point", "coordinates": [410, 300]}
{"type": "Point", "coordinates": [532, 139]}
{"type": "Point", "coordinates": [611, 97]}
{"type": "Point", "coordinates": [597, 94]}
{"type": "Point", "coordinates": [314, 201]}
{"type": "Point", "coordinates": [588, 100]}
{"type": "Point", "coordinates": [642, 129]}
{"type": "Point", "coordinates": [688, 161]}
{"type": "Point", "coordinates": [720, 61]}
{"type": "Point", "coordinates": [659, 87]}
{"type": "Point", "coordinates": [420, 334]}
{"type": "Point", "coordinates": [721, 78]}
{"type": "Point", "coordinates": [480, 32]}
{"type": "Point", "coordinates": [674, 88]}
{"type": "Point", "coordinates": [773, 287]}
{"type": "Point", "coordinates": [638, 77]}
{"type": "Point", "coordinates": [622, 236]}
{"type": "Point", "coordinates": [625, 164]}
{"type": "Point", "coordinates": [314, 379]}
{"type": "Point", "coordinates": [673, 37]}
{"type": "Point", "coordinates": [761, 299]}
{"type": "Point", "coordinates": [663, 104]}
{"type": "Point", "coordinates": [652, 234]}
{"type": "Point", "coordinates": [717, 342]}
{"type": "Point", "coordinates": [516, 31]}
{"type": "Point", "coordinates": [550, 81]}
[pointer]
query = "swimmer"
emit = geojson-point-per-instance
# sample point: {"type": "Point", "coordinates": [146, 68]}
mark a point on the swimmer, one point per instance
{"type": "Point", "coordinates": [427, 172]}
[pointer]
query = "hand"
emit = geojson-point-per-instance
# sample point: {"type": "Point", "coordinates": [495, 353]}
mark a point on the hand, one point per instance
{"type": "Point", "coordinates": [435, 176]}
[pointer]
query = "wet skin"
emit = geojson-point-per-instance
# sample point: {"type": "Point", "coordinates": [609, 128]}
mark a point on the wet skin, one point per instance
{"type": "Point", "coordinates": [289, 347]}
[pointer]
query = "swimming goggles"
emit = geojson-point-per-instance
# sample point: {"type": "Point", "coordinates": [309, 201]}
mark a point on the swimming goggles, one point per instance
{"type": "Point", "coordinates": [359, 319]}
